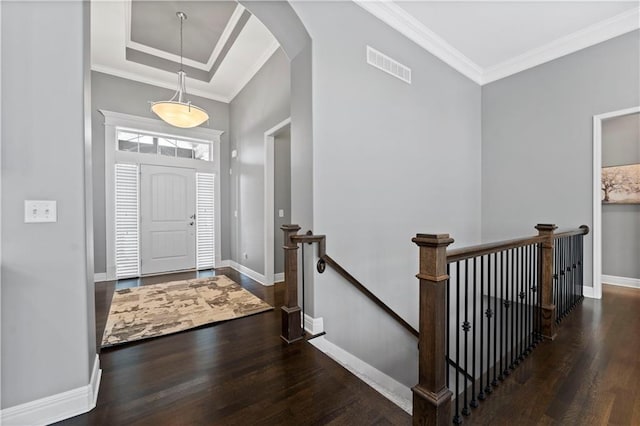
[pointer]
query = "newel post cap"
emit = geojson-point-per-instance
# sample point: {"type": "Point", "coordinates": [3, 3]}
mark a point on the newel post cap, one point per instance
{"type": "Point", "coordinates": [291, 228]}
{"type": "Point", "coordinates": [546, 227]}
{"type": "Point", "coordinates": [432, 240]}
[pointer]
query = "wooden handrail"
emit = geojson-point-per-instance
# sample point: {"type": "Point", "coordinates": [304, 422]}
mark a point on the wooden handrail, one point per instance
{"type": "Point", "coordinates": [347, 276]}
{"type": "Point", "coordinates": [483, 249]}
{"type": "Point", "coordinates": [309, 238]}
{"type": "Point", "coordinates": [457, 255]}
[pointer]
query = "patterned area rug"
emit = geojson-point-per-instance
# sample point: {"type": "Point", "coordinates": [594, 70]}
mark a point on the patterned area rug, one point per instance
{"type": "Point", "coordinates": [159, 309]}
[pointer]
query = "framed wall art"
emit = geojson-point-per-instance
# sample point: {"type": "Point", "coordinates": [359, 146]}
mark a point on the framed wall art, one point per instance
{"type": "Point", "coordinates": [621, 184]}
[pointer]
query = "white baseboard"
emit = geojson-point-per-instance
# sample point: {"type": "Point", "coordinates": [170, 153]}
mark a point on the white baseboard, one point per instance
{"type": "Point", "coordinates": [390, 388]}
{"type": "Point", "coordinates": [100, 277]}
{"type": "Point", "coordinates": [244, 270]}
{"type": "Point", "coordinates": [279, 277]}
{"type": "Point", "coordinates": [588, 292]}
{"type": "Point", "coordinates": [621, 281]}
{"type": "Point", "coordinates": [313, 326]}
{"type": "Point", "coordinates": [57, 407]}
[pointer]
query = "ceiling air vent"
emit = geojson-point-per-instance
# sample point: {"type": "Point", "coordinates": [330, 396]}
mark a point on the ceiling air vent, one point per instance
{"type": "Point", "coordinates": [388, 65]}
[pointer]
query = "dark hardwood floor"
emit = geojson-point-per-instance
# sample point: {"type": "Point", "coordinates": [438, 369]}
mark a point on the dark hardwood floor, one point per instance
{"type": "Point", "coordinates": [233, 373]}
{"type": "Point", "coordinates": [240, 373]}
{"type": "Point", "coordinates": [590, 374]}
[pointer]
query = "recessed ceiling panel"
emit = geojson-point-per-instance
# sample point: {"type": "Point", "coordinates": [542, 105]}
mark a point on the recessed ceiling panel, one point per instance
{"type": "Point", "coordinates": [155, 24]}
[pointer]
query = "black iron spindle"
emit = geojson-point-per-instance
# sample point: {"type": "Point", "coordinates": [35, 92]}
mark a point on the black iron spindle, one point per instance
{"type": "Point", "coordinates": [474, 373]}
{"type": "Point", "coordinates": [456, 418]}
{"type": "Point", "coordinates": [466, 326]}
{"type": "Point", "coordinates": [495, 321]}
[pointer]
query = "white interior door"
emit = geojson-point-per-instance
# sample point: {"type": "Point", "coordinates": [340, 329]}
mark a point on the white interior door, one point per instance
{"type": "Point", "coordinates": [167, 219]}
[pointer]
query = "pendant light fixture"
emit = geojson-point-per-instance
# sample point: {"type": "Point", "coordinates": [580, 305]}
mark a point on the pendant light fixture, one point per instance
{"type": "Point", "coordinates": [177, 111]}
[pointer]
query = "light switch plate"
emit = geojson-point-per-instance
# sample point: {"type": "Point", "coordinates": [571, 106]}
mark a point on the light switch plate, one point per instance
{"type": "Point", "coordinates": [40, 211]}
{"type": "Point", "coordinates": [280, 213]}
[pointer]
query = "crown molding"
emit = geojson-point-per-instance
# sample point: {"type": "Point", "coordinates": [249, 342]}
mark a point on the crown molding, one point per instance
{"type": "Point", "coordinates": [156, 82]}
{"type": "Point", "coordinates": [589, 36]}
{"type": "Point", "coordinates": [400, 20]}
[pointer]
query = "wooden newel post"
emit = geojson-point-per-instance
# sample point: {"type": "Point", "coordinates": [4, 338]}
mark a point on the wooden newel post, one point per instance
{"type": "Point", "coordinates": [546, 281]}
{"type": "Point", "coordinates": [431, 398]}
{"type": "Point", "coordinates": [291, 319]}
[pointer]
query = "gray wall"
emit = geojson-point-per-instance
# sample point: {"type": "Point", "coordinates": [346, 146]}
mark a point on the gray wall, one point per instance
{"type": "Point", "coordinates": [131, 97]}
{"type": "Point", "coordinates": [621, 223]}
{"type": "Point", "coordinates": [537, 138]}
{"type": "Point", "coordinates": [389, 160]}
{"type": "Point", "coordinates": [282, 192]}
{"type": "Point", "coordinates": [47, 341]}
{"type": "Point", "coordinates": [263, 103]}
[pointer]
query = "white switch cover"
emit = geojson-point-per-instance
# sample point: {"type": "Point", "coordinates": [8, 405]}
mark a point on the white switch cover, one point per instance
{"type": "Point", "coordinates": [280, 213]}
{"type": "Point", "coordinates": [40, 211]}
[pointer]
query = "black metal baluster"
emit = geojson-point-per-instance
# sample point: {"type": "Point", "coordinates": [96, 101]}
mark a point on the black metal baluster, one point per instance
{"type": "Point", "coordinates": [481, 395]}
{"type": "Point", "coordinates": [447, 335]}
{"type": "Point", "coordinates": [510, 256]}
{"type": "Point", "coordinates": [466, 326]}
{"type": "Point", "coordinates": [514, 310]}
{"type": "Point", "coordinates": [539, 294]}
{"type": "Point", "coordinates": [456, 418]}
{"type": "Point", "coordinates": [474, 401]}
{"type": "Point", "coordinates": [502, 316]}
{"type": "Point", "coordinates": [495, 321]}
{"type": "Point", "coordinates": [523, 307]}
{"type": "Point", "coordinates": [527, 304]}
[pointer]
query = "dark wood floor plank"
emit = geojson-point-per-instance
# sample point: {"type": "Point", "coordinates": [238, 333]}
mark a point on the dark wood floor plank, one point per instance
{"type": "Point", "coordinates": [237, 372]}
{"type": "Point", "coordinates": [590, 375]}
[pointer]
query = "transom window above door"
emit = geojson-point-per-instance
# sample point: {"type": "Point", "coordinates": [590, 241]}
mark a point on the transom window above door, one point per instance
{"type": "Point", "coordinates": [133, 141]}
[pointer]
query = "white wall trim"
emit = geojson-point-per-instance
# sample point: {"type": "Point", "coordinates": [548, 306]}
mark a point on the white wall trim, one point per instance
{"type": "Point", "coordinates": [156, 82]}
{"type": "Point", "coordinates": [244, 270]}
{"type": "Point", "coordinates": [313, 326]}
{"type": "Point", "coordinates": [621, 281]}
{"type": "Point", "coordinates": [279, 277]}
{"type": "Point", "coordinates": [100, 277]}
{"type": "Point", "coordinates": [586, 37]}
{"type": "Point", "coordinates": [113, 121]}
{"type": "Point", "coordinates": [596, 197]}
{"type": "Point", "coordinates": [588, 292]}
{"type": "Point", "coordinates": [390, 388]}
{"type": "Point", "coordinates": [400, 20]}
{"type": "Point", "coordinates": [269, 193]}
{"type": "Point", "coordinates": [57, 407]}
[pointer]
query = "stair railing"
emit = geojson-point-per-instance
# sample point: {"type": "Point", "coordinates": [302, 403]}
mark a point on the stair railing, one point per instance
{"type": "Point", "coordinates": [482, 311]}
{"type": "Point", "coordinates": [291, 313]}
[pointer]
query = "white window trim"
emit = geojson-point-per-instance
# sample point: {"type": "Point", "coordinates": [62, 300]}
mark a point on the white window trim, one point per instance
{"type": "Point", "coordinates": [115, 120]}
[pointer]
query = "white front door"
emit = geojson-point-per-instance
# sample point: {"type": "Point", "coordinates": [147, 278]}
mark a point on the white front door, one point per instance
{"type": "Point", "coordinates": [167, 219]}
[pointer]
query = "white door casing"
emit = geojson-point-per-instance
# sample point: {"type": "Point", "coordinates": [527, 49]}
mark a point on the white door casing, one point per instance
{"type": "Point", "coordinates": [115, 120]}
{"type": "Point", "coordinates": [167, 219]}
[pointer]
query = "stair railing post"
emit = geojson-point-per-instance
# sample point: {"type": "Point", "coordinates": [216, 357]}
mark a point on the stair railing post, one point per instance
{"type": "Point", "coordinates": [431, 397]}
{"type": "Point", "coordinates": [546, 281]}
{"type": "Point", "coordinates": [291, 316]}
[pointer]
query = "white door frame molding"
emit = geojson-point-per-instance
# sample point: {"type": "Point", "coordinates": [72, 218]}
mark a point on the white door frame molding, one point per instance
{"type": "Point", "coordinates": [115, 120]}
{"type": "Point", "coordinates": [597, 189]}
{"type": "Point", "coordinates": [269, 193]}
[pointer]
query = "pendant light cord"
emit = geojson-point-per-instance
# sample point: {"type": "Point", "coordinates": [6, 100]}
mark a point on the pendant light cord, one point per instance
{"type": "Point", "coordinates": [181, 22]}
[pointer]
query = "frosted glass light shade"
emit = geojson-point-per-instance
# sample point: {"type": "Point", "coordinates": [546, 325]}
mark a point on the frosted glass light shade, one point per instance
{"type": "Point", "coordinates": [180, 114]}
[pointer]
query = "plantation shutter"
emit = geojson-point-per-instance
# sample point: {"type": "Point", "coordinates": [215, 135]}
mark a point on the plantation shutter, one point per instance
{"type": "Point", "coordinates": [205, 221]}
{"type": "Point", "coordinates": [127, 220]}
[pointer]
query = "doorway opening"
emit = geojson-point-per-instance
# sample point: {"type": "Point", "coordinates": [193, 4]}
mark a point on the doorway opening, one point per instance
{"type": "Point", "coordinates": [598, 122]}
{"type": "Point", "coordinates": [279, 134]}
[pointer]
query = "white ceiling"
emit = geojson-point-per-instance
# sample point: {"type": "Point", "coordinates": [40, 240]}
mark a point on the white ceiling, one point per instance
{"type": "Point", "coordinates": [484, 40]}
{"type": "Point", "coordinates": [489, 40]}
